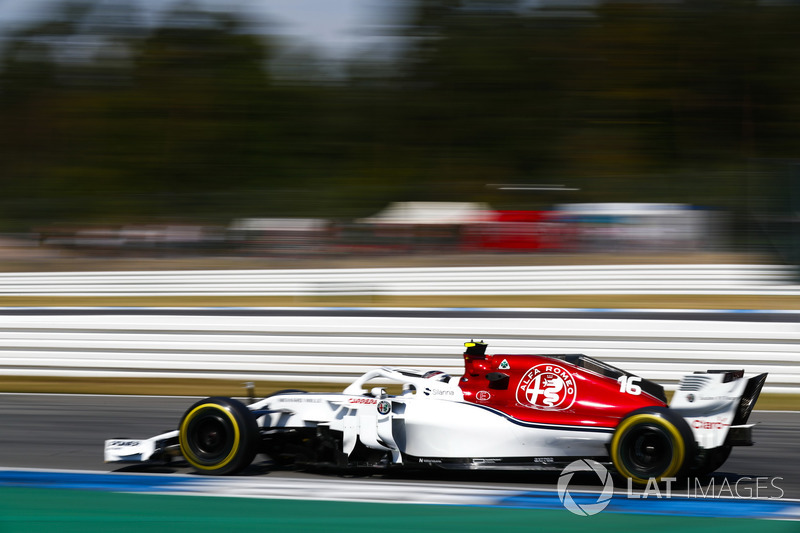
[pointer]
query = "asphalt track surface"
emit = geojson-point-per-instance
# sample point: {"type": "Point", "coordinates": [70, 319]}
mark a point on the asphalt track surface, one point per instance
{"type": "Point", "coordinates": [67, 432]}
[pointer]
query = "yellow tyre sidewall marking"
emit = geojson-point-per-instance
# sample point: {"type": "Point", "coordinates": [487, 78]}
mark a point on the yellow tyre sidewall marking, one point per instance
{"type": "Point", "coordinates": [187, 454]}
{"type": "Point", "coordinates": [677, 440]}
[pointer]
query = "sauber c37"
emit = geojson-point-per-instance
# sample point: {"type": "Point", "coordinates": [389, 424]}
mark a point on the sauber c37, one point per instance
{"type": "Point", "coordinates": [505, 412]}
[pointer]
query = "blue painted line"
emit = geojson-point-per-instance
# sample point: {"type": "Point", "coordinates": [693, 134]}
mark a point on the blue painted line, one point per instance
{"type": "Point", "coordinates": [89, 481]}
{"type": "Point", "coordinates": [707, 507]}
{"type": "Point", "coordinates": [675, 505]}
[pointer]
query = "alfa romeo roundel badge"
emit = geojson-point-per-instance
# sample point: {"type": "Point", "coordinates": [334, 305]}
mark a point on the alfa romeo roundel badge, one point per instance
{"type": "Point", "coordinates": [547, 386]}
{"type": "Point", "coordinates": [384, 407]}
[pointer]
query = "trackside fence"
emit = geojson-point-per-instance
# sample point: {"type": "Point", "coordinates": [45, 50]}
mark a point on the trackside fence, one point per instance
{"type": "Point", "coordinates": [439, 281]}
{"type": "Point", "coordinates": [331, 346]}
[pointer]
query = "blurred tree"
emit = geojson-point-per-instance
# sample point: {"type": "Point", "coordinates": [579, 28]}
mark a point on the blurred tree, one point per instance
{"type": "Point", "coordinates": [142, 123]}
{"type": "Point", "coordinates": [197, 118]}
{"type": "Point", "coordinates": [482, 95]}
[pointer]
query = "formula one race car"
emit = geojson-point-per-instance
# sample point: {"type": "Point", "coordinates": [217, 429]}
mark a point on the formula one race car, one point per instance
{"type": "Point", "coordinates": [506, 412]}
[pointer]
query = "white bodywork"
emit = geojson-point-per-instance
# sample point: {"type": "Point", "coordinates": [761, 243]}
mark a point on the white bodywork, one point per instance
{"type": "Point", "coordinates": [430, 419]}
{"type": "Point", "coordinates": [708, 404]}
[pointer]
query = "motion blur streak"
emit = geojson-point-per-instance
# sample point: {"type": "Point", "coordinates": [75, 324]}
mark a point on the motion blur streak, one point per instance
{"type": "Point", "coordinates": [118, 123]}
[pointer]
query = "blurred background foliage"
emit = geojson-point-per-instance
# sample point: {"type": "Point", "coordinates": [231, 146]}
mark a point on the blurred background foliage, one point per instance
{"type": "Point", "coordinates": [105, 116]}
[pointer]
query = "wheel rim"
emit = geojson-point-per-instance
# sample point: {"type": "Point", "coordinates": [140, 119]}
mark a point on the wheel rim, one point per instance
{"type": "Point", "coordinates": [210, 437]}
{"type": "Point", "coordinates": [646, 451]}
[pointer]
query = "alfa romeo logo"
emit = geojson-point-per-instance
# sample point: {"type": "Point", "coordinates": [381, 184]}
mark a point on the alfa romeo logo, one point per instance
{"type": "Point", "coordinates": [384, 407]}
{"type": "Point", "coordinates": [547, 386]}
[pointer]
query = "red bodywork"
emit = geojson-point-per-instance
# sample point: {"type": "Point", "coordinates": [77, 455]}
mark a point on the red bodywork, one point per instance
{"type": "Point", "coordinates": [551, 390]}
{"type": "Point", "coordinates": [518, 231]}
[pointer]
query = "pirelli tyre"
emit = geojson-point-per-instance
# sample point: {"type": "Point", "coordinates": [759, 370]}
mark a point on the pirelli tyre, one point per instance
{"type": "Point", "coordinates": [282, 447]}
{"type": "Point", "coordinates": [652, 443]}
{"type": "Point", "coordinates": [710, 460]}
{"type": "Point", "coordinates": [218, 436]}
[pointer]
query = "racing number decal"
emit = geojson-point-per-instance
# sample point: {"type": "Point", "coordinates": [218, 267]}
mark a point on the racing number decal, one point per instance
{"type": "Point", "coordinates": [547, 386]}
{"type": "Point", "coordinates": [629, 385]}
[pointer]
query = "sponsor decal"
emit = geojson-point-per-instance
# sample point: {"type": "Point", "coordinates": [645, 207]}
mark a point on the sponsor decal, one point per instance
{"type": "Point", "coordinates": [717, 398]}
{"type": "Point", "coordinates": [123, 443]}
{"type": "Point", "coordinates": [547, 386]}
{"type": "Point", "coordinates": [709, 424]}
{"type": "Point", "coordinates": [438, 392]}
{"type": "Point", "coordinates": [368, 401]}
{"type": "Point", "coordinates": [384, 407]}
{"type": "Point", "coordinates": [690, 398]}
{"type": "Point", "coordinates": [299, 400]}
{"type": "Point", "coordinates": [483, 396]}
{"type": "Point", "coordinates": [504, 365]}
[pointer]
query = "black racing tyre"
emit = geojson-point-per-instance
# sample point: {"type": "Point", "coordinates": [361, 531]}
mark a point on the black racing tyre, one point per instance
{"type": "Point", "coordinates": [652, 443]}
{"type": "Point", "coordinates": [286, 391]}
{"type": "Point", "coordinates": [279, 447]}
{"type": "Point", "coordinates": [711, 460]}
{"type": "Point", "coordinates": [218, 436]}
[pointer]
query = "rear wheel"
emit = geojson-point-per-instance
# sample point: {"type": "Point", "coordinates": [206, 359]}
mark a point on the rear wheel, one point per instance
{"type": "Point", "coordinates": [218, 436]}
{"type": "Point", "coordinates": [651, 443]}
{"type": "Point", "coordinates": [711, 460]}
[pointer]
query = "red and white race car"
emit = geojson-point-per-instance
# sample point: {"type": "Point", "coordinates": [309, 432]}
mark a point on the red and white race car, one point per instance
{"type": "Point", "coordinates": [505, 412]}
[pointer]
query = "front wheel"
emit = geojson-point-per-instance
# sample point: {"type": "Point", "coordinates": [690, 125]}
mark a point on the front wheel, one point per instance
{"type": "Point", "coordinates": [651, 443]}
{"type": "Point", "coordinates": [218, 436]}
{"type": "Point", "coordinates": [283, 447]}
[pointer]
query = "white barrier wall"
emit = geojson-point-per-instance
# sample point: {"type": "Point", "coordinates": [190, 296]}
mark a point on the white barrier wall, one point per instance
{"type": "Point", "coordinates": [335, 346]}
{"type": "Point", "coordinates": [611, 279]}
